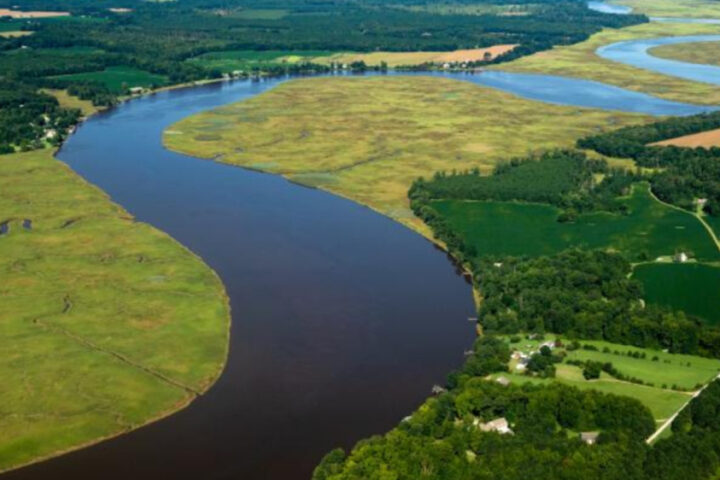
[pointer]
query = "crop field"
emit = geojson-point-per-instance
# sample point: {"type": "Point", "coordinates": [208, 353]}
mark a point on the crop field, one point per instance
{"type": "Point", "coordinates": [701, 52]}
{"type": "Point", "coordinates": [650, 230]}
{"type": "Point", "coordinates": [117, 77]}
{"type": "Point", "coordinates": [369, 138]}
{"type": "Point", "coordinates": [14, 34]}
{"type": "Point", "coordinates": [68, 101]}
{"type": "Point", "coordinates": [246, 60]}
{"type": "Point", "coordinates": [395, 59]}
{"type": "Point", "coordinates": [703, 139]}
{"type": "Point", "coordinates": [580, 60]}
{"type": "Point", "coordinates": [6, 12]}
{"type": "Point", "coordinates": [137, 325]}
{"type": "Point", "coordinates": [691, 287]}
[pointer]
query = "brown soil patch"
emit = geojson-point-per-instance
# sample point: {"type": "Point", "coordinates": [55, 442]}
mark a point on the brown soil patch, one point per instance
{"type": "Point", "coordinates": [474, 54]}
{"type": "Point", "coordinates": [5, 12]}
{"type": "Point", "coordinates": [710, 138]}
{"type": "Point", "coordinates": [15, 34]}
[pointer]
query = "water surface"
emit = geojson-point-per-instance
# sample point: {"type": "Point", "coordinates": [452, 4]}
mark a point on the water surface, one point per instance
{"type": "Point", "coordinates": [635, 53]}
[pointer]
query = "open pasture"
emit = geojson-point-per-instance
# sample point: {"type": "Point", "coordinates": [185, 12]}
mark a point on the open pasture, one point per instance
{"type": "Point", "coordinates": [703, 139]}
{"type": "Point", "coordinates": [396, 59]}
{"type": "Point", "coordinates": [369, 138]}
{"type": "Point", "coordinates": [650, 230]}
{"type": "Point", "coordinates": [246, 60]}
{"type": "Point", "coordinates": [116, 77]}
{"type": "Point", "coordinates": [691, 287]}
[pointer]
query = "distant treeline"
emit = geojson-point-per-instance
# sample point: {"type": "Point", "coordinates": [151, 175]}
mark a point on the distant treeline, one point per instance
{"type": "Point", "coordinates": [688, 173]}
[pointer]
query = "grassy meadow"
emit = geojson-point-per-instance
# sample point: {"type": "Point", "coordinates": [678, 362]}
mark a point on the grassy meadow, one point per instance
{"type": "Point", "coordinates": [397, 59]}
{"type": "Point", "coordinates": [247, 60]}
{"type": "Point", "coordinates": [650, 230]}
{"type": "Point", "coordinates": [115, 78]}
{"type": "Point", "coordinates": [661, 371]}
{"type": "Point", "coordinates": [106, 323]}
{"type": "Point", "coordinates": [369, 138]}
{"type": "Point", "coordinates": [707, 53]}
{"type": "Point", "coordinates": [580, 60]}
{"type": "Point", "coordinates": [691, 287]}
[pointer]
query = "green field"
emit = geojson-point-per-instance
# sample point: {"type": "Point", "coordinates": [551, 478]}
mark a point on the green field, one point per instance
{"type": "Point", "coordinates": [369, 138]}
{"type": "Point", "coordinates": [691, 287]}
{"type": "Point", "coordinates": [115, 78]}
{"type": "Point", "coordinates": [580, 60]}
{"type": "Point", "coordinates": [246, 60]}
{"type": "Point", "coordinates": [707, 53]}
{"type": "Point", "coordinates": [106, 323]}
{"type": "Point", "coordinates": [683, 371]}
{"type": "Point", "coordinates": [507, 228]}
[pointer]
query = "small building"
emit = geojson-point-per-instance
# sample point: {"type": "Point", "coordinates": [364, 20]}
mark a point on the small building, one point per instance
{"type": "Point", "coordinates": [680, 257]}
{"type": "Point", "coordinates": [437, 390]}
{"type": "Point", "coordinates": [589, 437]}
{"type": "Point", "coordinates": [701, 202]}
{"type": "Point", "coordinates": [499, 425]}
{"type": "Point", "coordinates": [503, 381]}
{"type": "Point", "coordinates": [136, 90]}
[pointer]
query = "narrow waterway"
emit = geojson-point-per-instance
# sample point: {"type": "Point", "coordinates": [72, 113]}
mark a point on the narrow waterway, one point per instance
{"type": "Point", "coordinates": [342, 318]}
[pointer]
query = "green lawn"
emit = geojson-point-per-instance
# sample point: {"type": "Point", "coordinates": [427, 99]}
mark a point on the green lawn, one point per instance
{"type": "Point", "coordinates": [106, 323]}
{"type": "Point", "coordinates": [685, 371]}
{"type": "Point", "coordinates": [508, 228]}
{"type": "Point", "coordinates": [246, 60]}
{"type": "Point", "coordinates": [117, 77]}
{"type": "Point", "coordinates": [691, 287]}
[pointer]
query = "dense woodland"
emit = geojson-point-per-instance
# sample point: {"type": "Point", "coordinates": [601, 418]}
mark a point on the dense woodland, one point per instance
{"type": "Point", "coordinates": [442, 440]}
{"type": "Point", "coordinates": [687, 173]}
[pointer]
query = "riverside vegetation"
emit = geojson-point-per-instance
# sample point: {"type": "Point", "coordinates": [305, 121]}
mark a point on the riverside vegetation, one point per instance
{"type": "Point", "coordinates": [137, 326]}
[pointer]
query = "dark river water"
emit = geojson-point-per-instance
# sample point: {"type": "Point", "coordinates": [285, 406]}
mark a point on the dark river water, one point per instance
{"type": "Point", "coordinates": [342, 319]}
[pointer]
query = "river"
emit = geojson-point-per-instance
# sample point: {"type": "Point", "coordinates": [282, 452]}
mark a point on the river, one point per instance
{"type": "Point", "coordinates": [342, 319]}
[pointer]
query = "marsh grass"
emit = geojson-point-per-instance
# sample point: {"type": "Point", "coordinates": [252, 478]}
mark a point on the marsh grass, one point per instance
{"type": "Point", "coordinates": [581, 61]}
{"type": "Point", "coordinates": [369, 138]}
{"type": "Point", "coordinates": [106, 323]}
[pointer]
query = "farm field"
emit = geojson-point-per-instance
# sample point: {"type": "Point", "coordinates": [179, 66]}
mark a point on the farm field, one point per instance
{"type": "Point", "coordinates": [68, 101]}
{"type": "Point", "coordinates": [580, 60]}
{"type": "Point", "coordinates": [137, 325]}
{"type": "Point", "coordinates": [651, 229]}
{"type": "Point", "coordinates": [707, 53]}
{"type": "Point", "coordinates": [691, 287]}
{"type": "Point", "coordinates": [14, 34]}
{"type": "Point", "coordinates": [369, 138]}
{"type": "Point", "coordinates": [115, 77]}
{"type": "Point", "coordinates": [246, 60]}
{"type": "Point", "coordinates": [6, 12]}
{"type": "Point", "coordinates": [710, 138]}
{"type": "Point", "coordinates": [395, 59]}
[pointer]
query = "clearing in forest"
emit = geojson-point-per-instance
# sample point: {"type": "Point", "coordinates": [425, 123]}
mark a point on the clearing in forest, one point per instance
{"type": "Point", "coordinates": [710, 138]}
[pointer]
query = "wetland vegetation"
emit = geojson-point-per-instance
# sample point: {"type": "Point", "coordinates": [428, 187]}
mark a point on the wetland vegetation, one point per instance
{"type": "Point", "coordinates": [137, 326]}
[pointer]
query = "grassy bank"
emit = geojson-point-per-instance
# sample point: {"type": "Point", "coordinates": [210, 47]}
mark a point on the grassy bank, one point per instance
{"type": "Point", "coordinates": [580, 60]}
{"type": "Point", "coordinates": [674, 8]}
{"type": "Point", "coordinates": [368, 138]}
{"type": "Point", "coordinates": [106, 323]}
{"type": "Point", "coordinates": [707, 53]}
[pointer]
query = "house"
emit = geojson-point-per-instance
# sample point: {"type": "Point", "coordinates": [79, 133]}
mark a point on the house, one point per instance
{"type": "Point", "coordinates": [680, 257]}
{"type": "Point", "coordinates": [136, 90]}
{"type": "Point", "coordinates": [499, 425]}
{"type": "Point", "coordinates": [503, 381]}
{"type": "Point", "coordinates": [589, 437]}
{"type": "Point", "coordinates": [437, 390]}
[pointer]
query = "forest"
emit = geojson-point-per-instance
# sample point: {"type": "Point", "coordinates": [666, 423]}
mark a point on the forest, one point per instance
{"type": "Point", "coordinates": [686, 174]}
{"type": "Point", "coordinates": [442, 439]}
